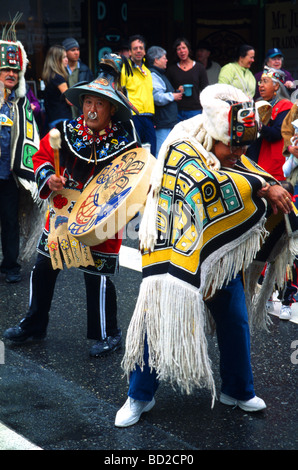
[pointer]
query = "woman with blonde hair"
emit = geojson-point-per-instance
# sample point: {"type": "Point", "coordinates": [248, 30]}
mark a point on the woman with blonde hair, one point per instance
{"type": "Point", "coordinates": [55, 78]}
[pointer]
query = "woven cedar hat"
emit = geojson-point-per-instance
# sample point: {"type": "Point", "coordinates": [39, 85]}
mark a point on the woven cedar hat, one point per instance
{"type": "Point", "coordinates": [107, 85]}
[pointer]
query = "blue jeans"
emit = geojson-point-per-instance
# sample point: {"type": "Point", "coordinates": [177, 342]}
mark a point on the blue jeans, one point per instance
{"type": "Point", "coordinates": [143, 384]}
{"type": "Point", "coordinates": [228, 309]}
{"type": "Point", "coordinates": [161, 135]}
{"type": "Point", "coordinates": [183, 114]}
{"type": "Point", "coordinates": [146, 131]}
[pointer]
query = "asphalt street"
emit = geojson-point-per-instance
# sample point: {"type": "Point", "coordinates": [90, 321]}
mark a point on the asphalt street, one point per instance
{"type": "Point", "coordinates": [53, 396]}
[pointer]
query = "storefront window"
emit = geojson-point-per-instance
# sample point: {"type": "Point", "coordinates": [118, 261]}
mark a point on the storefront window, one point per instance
{"type": "Point", "coordinates": [44, 23]}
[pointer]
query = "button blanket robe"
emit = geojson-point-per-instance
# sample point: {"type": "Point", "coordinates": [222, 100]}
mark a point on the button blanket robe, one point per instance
{"type": "Point", "coordinates": [202, 225]}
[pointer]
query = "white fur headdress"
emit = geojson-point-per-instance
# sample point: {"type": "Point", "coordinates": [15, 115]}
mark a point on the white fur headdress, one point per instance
{"type": "Point", "coordinates": [214, 100]}
{"type": "Point", "coordinates": [202, 130]}
{"type": "Point", "coordinates": [13, 54]}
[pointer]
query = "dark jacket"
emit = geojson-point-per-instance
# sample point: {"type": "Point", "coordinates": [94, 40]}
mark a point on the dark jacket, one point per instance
{"type": "Point", "coordinates": [85, 74]}
{"type": "Point", "coordinates": [165, 116]}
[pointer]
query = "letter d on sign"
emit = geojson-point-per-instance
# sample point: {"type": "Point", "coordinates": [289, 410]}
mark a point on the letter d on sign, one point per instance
{"type": "Point", "coordinates": [2, 352]}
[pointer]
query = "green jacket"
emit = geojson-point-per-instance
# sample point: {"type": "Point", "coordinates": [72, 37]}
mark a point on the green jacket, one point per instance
{"type": "Point", "coordinates": [239, 77]}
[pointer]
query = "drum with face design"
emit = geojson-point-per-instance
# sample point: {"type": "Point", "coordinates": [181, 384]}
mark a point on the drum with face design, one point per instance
{"type": "Point", "coordinates": [112, 198]}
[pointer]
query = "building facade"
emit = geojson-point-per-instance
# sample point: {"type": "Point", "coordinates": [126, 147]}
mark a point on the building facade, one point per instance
{"type": "Point", "coordinates": [104, 25]}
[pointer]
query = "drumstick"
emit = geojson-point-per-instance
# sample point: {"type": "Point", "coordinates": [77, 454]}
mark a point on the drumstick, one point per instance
{"type": "Point", "coordinates": [55, 143]}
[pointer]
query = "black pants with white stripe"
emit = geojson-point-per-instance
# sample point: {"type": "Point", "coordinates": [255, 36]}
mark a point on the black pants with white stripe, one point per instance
{"type": "Point", "coordinates": [100, 294]}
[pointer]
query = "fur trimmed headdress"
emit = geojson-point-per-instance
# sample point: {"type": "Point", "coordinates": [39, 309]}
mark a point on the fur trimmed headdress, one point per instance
{"type": "Point", "coordinates": [214, 124]}
{"type": "Point", "coordinates": [13, 55]}
{"type": "Point", "coordinates": [216, 101]}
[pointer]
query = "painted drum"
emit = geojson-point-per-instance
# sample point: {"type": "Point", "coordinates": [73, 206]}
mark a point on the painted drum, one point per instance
{"type": "Point", "coordinates": [112, 198]}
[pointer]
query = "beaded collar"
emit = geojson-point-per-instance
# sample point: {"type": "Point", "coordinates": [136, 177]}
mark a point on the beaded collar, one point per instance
{"type": "Point", "coordinates": [89, 136]}
{"type": "Point", "coordinates": [93, 146]}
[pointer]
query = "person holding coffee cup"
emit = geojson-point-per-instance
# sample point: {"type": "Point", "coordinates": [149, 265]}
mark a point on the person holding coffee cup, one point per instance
{"type": "Point", "coordinates": [164, 95]}
{"type": "Point", "coordinates": [191, 75]}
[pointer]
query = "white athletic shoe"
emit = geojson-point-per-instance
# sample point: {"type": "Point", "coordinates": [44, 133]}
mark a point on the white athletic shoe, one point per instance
{"type": "Point", "coordinates": [131, 411]}
{"type": "Point", "coordinates": [254, 404]}
{"type": "Point", "coordinates": [285, 312]}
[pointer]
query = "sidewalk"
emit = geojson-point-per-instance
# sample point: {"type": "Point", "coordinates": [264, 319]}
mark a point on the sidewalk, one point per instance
{"type": "Point", "coordinates": [275, 305]}
{"type": "Point", "coordinates": [10, 440]}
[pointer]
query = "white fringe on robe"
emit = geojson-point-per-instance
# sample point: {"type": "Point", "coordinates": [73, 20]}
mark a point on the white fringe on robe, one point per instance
{"type": "Point", "coordinates": [170, 313]}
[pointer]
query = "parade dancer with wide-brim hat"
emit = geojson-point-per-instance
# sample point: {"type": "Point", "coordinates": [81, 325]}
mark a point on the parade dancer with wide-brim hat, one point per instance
{"type": "Point", "coordinates": [87, 145]}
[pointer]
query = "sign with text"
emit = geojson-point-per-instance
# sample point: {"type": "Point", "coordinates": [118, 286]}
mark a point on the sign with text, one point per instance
{"type": "Point", "coordinates": [282, 32]}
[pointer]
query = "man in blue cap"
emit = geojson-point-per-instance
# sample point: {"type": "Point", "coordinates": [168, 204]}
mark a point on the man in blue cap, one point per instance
{"type": "Point", "coordinates": [274, 59]}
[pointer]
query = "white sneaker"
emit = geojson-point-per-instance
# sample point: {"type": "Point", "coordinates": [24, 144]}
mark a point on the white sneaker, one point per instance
{"type": "Point", "coordinates": [131, 411]}
{"type": "Point", "coordinates": [285, 312]}
{"type": "Point", "coordinates": [254, 404]}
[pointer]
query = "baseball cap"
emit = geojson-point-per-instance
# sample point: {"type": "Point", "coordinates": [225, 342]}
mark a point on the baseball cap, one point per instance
{"type": "Point", "coordinates": [273, 53]}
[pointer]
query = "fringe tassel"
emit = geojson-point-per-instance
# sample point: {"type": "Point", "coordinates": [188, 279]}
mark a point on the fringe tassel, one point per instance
{"type": "Point", "coordinates": [32, 219]}
{"type": "Point", "coordinates": [293, 246]}
{"type": "Point", "coordinates": [219, 269]}
{"type": "Point", "coordinates": [258, 315]}
{"type": "Point", "coordinates": [275, 275]}
{"type": "Point", "coordinates": [172, 316]}
{"type": "Point", "coordinates": [252, 289]}
{"type": "Point", "coordinates": [31, 186]}
{"type": "Point", "coordinates": [148, 230]}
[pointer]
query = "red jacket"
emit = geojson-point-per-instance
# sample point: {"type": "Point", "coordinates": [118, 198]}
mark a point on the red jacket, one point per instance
{"type": "Point", "coordinates": [44, 159]}
{"type": "Point", "coordinates": [271, 158]}
{"type": "Point", "coordinates": [82, 156]}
